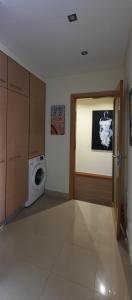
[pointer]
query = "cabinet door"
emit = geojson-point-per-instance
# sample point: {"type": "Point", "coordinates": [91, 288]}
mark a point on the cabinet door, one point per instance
{"type": "Point", "coordinates": [3, 110]}
{"type": "Point", "coordinates": [18, 78]}
{"type": "Point", "coordinates": [3, 69]}
{"type": "Point", "coordinates": [17, 152]}
{"type": "Point", "coordinates": [17, 125]}
{"type": "Point", "coordinates": [37, 116]}
{"type": "Point", "coordinates": [17, 184]}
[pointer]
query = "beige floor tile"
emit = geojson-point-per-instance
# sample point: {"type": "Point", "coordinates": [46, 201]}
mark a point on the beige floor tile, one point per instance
{"type": "Point", "coordinates": [98, 221]}
{"type": "Point", "coordinates": [57, 288]}
{"type": "Point", "coordinates": [74, 240]}
{"type": "Point", "coordinates": [39, 250]}
{"type": "Point", "coordinates": [81, 235]}
{"type": "Point", "coordinates": [110, 276]}
{"type": "Point", "coordinates": [20, 280]}
{"type": "Point", "coordinates": [77, 264]}
{"type": "Point", "coordinates": [101, 297]}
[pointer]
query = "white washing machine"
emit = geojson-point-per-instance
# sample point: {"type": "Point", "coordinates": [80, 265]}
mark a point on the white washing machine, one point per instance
{"type": "Point", "coordinates": [37, 178]}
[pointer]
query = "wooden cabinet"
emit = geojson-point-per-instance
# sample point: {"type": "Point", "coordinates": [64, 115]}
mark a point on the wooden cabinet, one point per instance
{"type": "Point", "coordinates": [3, 110]}
{"type": "Point", "coordinates": [37, 117]}
{"type": "Point", "coordinates": [3, 69]}
{"type": "Point", "coordinates": [18, 78]}
{"type": "Point", "coordinates": [22, 115]}
{"type": "Point", "coordinates": [17, 184]}
{"type": "Point", "coordinates": [17, 151]}
{"type": "Point", "coordinates": [2, 190]}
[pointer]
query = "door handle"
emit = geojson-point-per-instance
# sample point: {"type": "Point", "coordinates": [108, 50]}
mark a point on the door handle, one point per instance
{"type": "Point", "coordinates": [119, 156]}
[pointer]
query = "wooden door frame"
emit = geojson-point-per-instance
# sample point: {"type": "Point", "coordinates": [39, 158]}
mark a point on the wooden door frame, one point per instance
{"type": "Point", "coordinates": [118, 218]}
{"type": "Point", "coordinates": [74, 97]}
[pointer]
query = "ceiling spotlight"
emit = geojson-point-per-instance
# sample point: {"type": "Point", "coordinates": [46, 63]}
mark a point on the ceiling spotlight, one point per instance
{"type": "Point", "coordinates": [72, 18]}
{"type": "Point", "coordinates": [85, 52]}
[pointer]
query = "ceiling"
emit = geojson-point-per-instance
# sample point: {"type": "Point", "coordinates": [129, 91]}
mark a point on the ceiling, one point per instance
{"type": "Point", "coordinates": [39, 34]}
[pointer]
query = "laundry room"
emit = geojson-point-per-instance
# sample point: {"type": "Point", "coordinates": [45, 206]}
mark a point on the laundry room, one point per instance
{"type": "Point", "coordinates": [65, 150]}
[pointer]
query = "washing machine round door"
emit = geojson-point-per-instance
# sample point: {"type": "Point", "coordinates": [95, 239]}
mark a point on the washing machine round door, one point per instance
{"type": "Point", "coordinates": [39, 176]}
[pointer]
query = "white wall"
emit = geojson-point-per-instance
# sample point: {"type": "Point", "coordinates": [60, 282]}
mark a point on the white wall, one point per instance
{"type": "Point", "coordinates": [59, 90]}
{"type": "Point", "coordinates": [88, 160]}
{"type": "Point", "coordinates": [129, 193]}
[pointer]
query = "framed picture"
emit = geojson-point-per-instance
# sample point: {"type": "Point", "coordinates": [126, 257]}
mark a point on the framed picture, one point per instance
{"type": "Point", "coordinates": [58, 119]}
{"type": "Point", "coordinates": [102, 132]}
{"type": "Point", "coordinates": [130, 115]}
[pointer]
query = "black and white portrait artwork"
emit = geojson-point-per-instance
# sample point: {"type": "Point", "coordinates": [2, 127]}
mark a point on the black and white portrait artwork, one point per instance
{"type": "Point", "coordinates": [102, 131]}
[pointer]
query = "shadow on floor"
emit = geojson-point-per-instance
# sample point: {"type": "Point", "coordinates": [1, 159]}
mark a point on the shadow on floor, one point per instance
{"type": "Point", "coordinates": [43, 203]}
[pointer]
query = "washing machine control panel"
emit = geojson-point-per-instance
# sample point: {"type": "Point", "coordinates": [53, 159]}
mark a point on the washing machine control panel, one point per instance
{"type": "Point", "coordinates": [41, 157]}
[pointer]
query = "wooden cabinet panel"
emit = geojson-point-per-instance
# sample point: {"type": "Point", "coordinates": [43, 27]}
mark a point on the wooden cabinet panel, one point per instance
{"type": "Point", "coordinates": [18, 78]}
{"type": "Point", "coordinates": [17, 152]}
{"type": "Point", "coordinates": [17, 125]}
{"type": "Point", "coordinates": [17, 184]}
{"type": "Point", "coordinates": [2, 190]}
{"type": "Point", "coordinates": [3, 69]}
{"type": "Point", "coordinates": [37, 116]}
{"type": "Point", "coordinates": [3, 110]}
{"type": "Point", "coordinates": [3, 113]}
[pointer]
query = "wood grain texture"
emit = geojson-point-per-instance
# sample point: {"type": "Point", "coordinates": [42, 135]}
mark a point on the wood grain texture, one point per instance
{"type": "Point", "coordinates": [17, 125]}
{"type": "Point", "coordinates": [37, 117]}
{"type": "Point", "coordinates": [96, 190]}
{"type": "Point", "coordinates": [2, 190]}
{"type": "Point", "coordinates": [17, 184]}
{"type": "Point", "coordinates": [18, 78]}
{"type": "Point", "coordinates": [3, 111]}
{"type": "Point", "coordinates": [94, 175]}
{"type": "Point", "coordinates": [3, 69]}
{"type": "Point", "coordinates": [17, 151]}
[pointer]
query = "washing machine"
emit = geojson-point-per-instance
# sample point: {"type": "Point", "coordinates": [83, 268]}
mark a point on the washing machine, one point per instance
{"type": "Point", "coordinates": [37, 178]}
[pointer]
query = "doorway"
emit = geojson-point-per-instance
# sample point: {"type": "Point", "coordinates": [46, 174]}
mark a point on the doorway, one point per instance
{"type": "Point", "coordinates": [93, 152]}
{"type": "Point", "coordinates": [119, 157]}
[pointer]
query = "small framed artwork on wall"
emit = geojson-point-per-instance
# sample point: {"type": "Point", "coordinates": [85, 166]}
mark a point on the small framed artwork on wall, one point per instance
{"type": "Point", "coordinates": [102, 131]}
{"type": "Point", "coordinates": [58, 119]}
{"type": "Point", "coordinates": [130, 115]}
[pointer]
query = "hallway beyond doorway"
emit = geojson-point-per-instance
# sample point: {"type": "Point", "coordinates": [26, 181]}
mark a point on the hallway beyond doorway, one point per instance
{"type": "Point", "coordinates": [93, 150]}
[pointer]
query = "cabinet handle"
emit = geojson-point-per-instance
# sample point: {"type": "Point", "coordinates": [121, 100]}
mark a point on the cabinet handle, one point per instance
{"type": "Point", "coordinates": [2, 80]}
{"type": "Point", "coordinates": [15, 157]}
{"type": "Point", "coordinates": [16, 87]}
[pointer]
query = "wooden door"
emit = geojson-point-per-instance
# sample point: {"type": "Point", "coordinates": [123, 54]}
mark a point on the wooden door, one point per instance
{"type": "Point", "coordinates": [3, 109]}
{"type": "Point", "coordinates": [3, 69]}
{"type": "Point", "coordinates": [18, 78]}
{"type": "Point", "coordinates": [37, 116]}
{"type": "Point", "coordinates": [118, 157]}
{"type": "Point", "coordinates": [17, 152]}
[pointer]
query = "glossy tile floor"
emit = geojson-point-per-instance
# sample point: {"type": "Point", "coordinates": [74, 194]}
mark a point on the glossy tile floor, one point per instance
{"type": "Point", "coordinates": [64, 252]}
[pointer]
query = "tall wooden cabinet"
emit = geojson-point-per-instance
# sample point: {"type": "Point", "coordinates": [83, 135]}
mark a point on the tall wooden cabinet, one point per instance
{"type": "Point", "coordinates": [17, 151]}
{"type": "Point", "coordinates": [3, 112]}
{"type": "Point", "coordinates": [3, 69]}
{"type": "Point", "coordinates": [22, 98]}
{"type": "Point", "coordinates": [37, 113]}
{"type": "Point", "coordinates": [18, 78]}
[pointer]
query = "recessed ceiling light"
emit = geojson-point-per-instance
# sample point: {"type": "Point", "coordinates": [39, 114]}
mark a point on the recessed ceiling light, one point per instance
{"type": "Point", "coordinates": [72, 18]}
{"type": "Point", "coordinates": [84, 52]}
